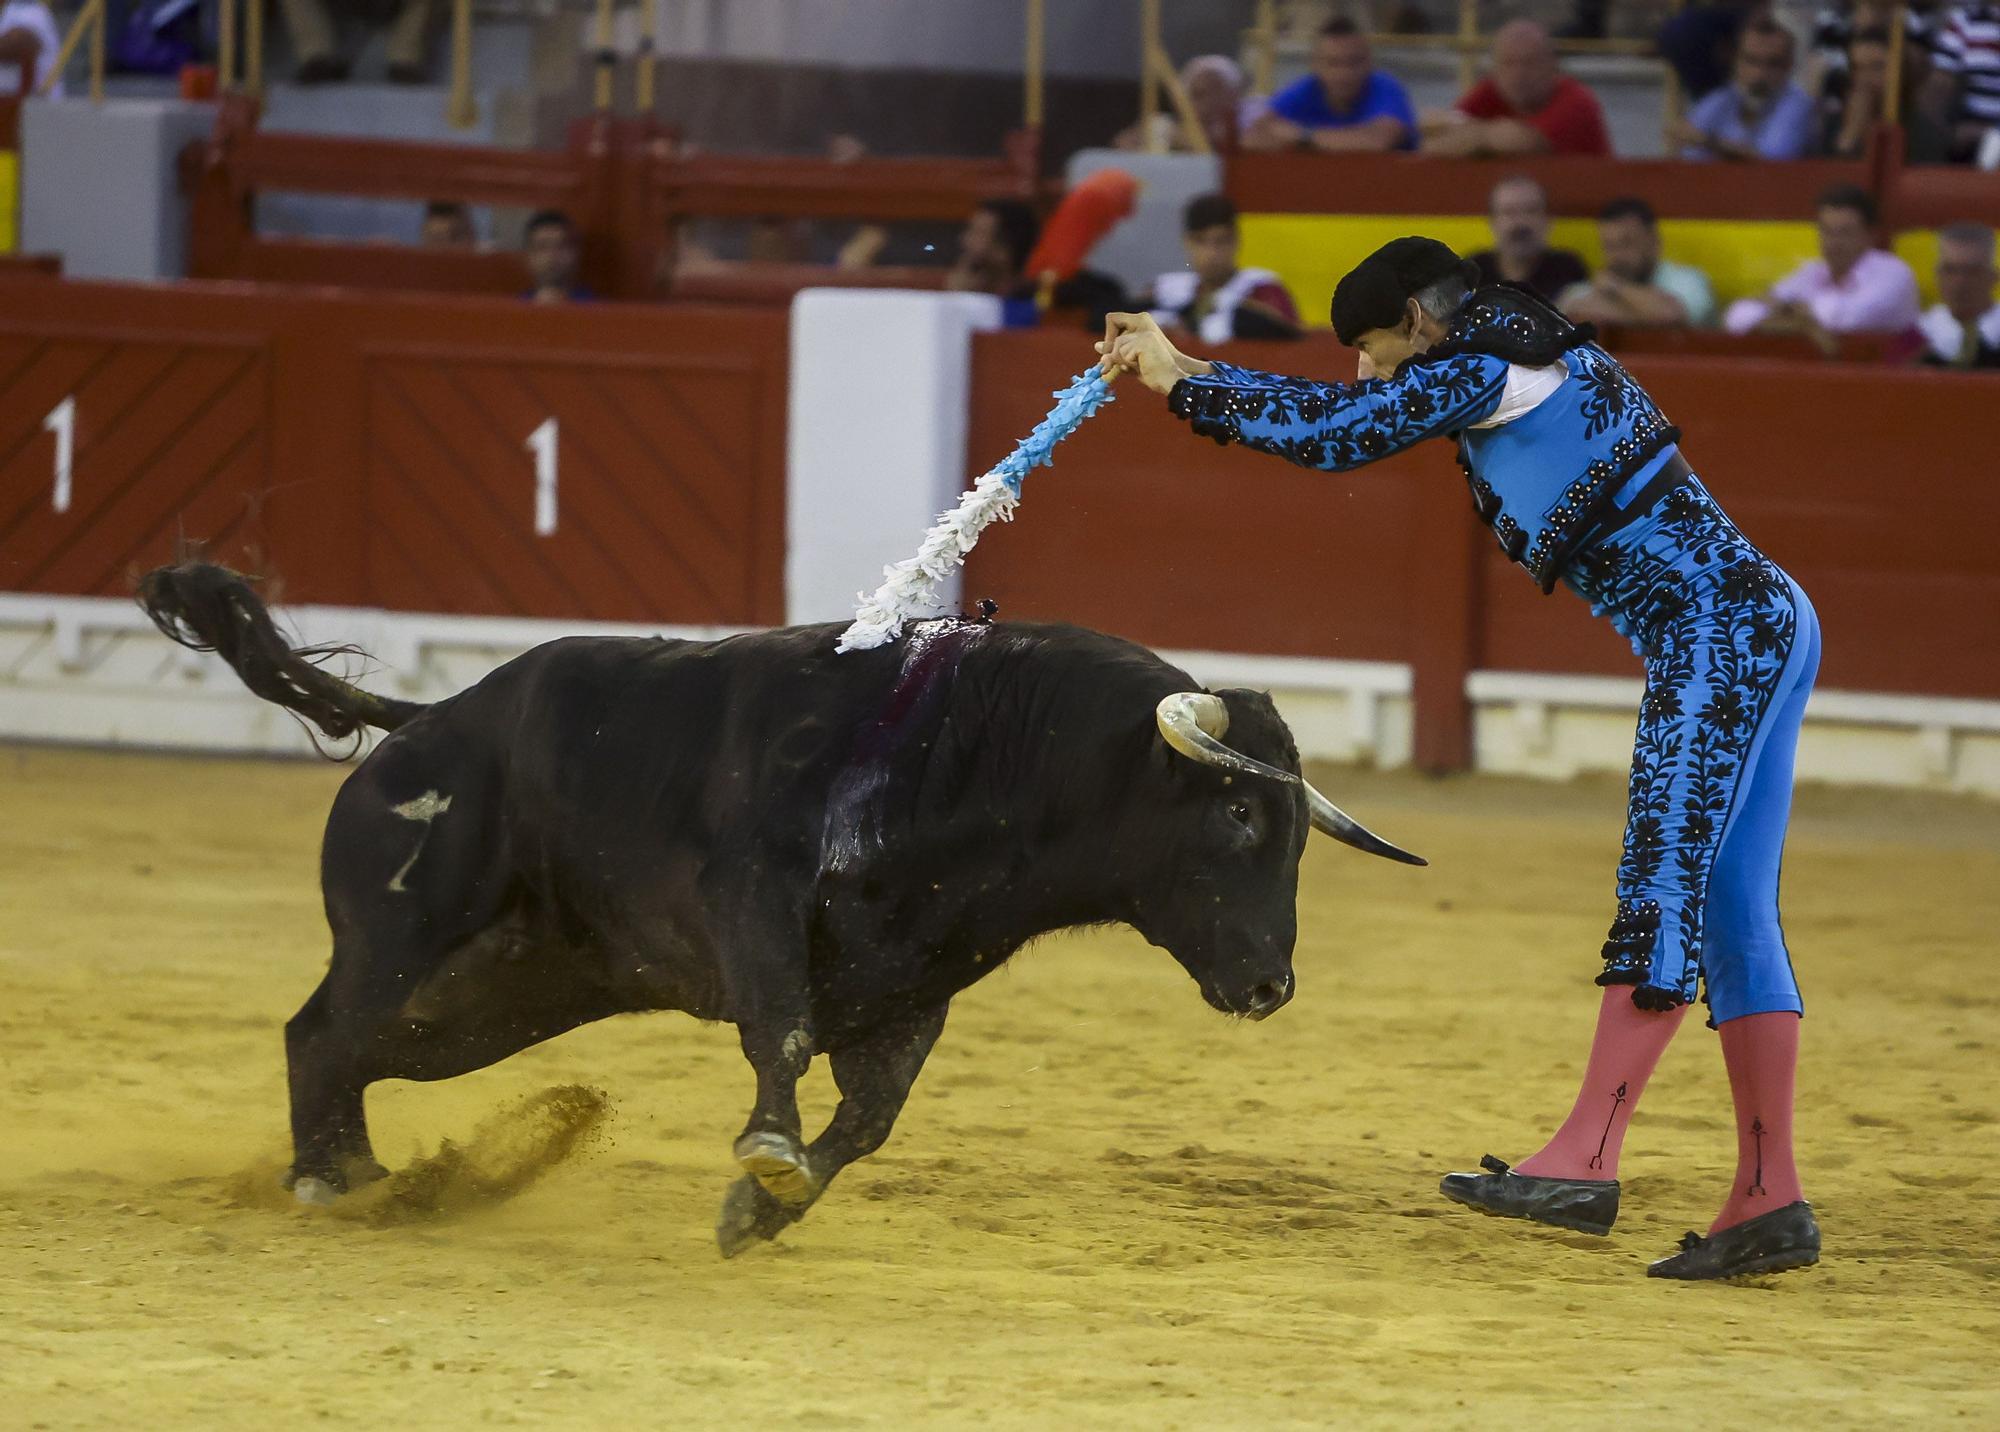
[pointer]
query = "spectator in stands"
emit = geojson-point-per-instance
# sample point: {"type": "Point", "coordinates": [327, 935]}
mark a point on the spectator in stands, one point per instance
{"type": "Point", "coordinates": [1212, 295]}
{"type": "Point", "coordinates": [1963, 331]}
{"type": "Point", "coordinates": [1519, 213]}
{"type": "Point", "coordinates": [1963, 92]}
{"type": "Point", "coordinates": [315, 44]}
{"type": "Point", "coordinates": [1345, 106]}
{"type": "Point", "coordinates": [1214, 85]}
{"type": "Point", "coordinates": [1852, 97]}
{"type": "Point", "coordinates": [1835, 29]}
{"type": "Point", "coordinates": [995, 243]}
{"type": "Point", "coordinates": [1853, 287]}
{"type": "Point", "coordinates": [1525, 105]}
{"type": "Point", "coordinates": [1760, 114]}
{"type": "Point", "coordinates": [29, 42]}
{"type": "Point", "coordinates": [447, 225]}
{"type": "Point", "coordinates": [1636, 287]}
{"type": "Point", "coordinates": [1700, 41]}
{"type": "Point", "coordinates": [552, 256]}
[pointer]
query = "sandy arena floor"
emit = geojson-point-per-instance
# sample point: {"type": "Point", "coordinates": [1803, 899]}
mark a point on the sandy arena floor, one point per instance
{"type": "Point", "coordinates": [1105, 1206]}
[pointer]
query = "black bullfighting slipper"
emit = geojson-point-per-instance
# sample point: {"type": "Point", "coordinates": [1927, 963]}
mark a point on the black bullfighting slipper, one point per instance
{"type": "Point", "coordinates": [1771, 1242]}
{"type": "Point", "coordinates": [1582, 1205]}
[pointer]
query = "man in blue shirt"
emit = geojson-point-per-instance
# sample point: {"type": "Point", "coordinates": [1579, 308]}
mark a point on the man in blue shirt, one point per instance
{"type": "Point", "coordinates": [1760, 113]}
{"type": "Point", "coordinates": [1345, 105]}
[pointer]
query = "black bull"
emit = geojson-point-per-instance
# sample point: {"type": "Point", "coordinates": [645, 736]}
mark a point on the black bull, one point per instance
{"type": "Point", "coordinates": [820, 849]}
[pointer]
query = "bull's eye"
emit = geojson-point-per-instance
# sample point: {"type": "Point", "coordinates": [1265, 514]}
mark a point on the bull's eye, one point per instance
{"type": "Point", "coordinates": [1239, 811]}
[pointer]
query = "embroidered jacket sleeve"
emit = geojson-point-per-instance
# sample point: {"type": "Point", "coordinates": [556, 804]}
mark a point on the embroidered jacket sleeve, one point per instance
{"type": "Point", "coordinates": [1337, 426]}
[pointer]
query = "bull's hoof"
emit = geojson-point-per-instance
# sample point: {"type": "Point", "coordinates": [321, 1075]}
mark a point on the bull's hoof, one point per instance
{"type": "Point", "coordinates": [317, 1192]}
{"type": "Point", "coordinates": [363, 1171]}
{"type": "Point", "coordinates": [750, 1215]}
{"type": "Point", "coordinates": [778, 1163]}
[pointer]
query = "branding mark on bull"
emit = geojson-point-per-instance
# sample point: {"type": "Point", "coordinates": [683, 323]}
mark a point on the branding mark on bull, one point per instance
{"type": "Point", "coordinates": [423, 810]}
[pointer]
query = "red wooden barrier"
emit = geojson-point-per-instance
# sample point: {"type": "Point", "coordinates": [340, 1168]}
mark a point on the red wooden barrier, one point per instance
{"type": "Point", "coordinates": [1871, 484]}
{"type": "Point", "coordinates": [1294, 183]}
{"type": "Point", "coordinates": [384, 451]}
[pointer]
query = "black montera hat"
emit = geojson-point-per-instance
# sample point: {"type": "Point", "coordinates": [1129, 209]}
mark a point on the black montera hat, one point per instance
{"type": "Point", "coordinates": [1373, 295]}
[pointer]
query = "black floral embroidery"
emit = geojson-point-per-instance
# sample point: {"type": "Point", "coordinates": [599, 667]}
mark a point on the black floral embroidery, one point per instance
{"type": "Point", "coordinates": [1337, 426]}
{"type": "Point", "coordinates": [1609, 394]}
{"type": "Point", "coordinates": [1715, 622]}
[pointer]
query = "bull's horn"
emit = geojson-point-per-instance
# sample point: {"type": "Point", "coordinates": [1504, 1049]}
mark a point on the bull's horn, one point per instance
{"type": "Point", "coordinates": [1194, 723]}
{"type": "Point", "coordinates": [1330, 819]}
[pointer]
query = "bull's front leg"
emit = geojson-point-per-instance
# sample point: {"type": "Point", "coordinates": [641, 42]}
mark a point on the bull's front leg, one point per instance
{"type": "Point", "coordinates": [768, 999]}
{"type": "Point", "coordinates": [874, 1078]}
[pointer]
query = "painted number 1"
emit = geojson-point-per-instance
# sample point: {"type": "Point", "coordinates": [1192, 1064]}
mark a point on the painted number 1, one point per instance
{"type": "Point", "coordinates": [542, 443]}
{"type": "Point", "coordinates": [62, 422]}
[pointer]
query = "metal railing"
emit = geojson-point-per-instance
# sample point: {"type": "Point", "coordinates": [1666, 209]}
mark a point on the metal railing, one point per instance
{"type": "Point", "coordinates": [88, 24]}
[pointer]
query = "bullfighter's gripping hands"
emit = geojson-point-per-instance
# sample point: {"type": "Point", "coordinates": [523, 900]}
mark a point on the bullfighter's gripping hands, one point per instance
{"type": "Point", "coordinates": [1581, 478]}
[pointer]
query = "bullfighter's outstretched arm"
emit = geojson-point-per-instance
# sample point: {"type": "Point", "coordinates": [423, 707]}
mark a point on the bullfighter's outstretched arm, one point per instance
{"type": "Point", "coordinates": [1337, 426]}
{"type": "Point", "coordinates": [1331, 426]}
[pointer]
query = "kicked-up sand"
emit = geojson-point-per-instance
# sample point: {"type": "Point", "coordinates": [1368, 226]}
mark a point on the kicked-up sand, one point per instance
{"type": "Point", "coordinates": [1105, 1206]}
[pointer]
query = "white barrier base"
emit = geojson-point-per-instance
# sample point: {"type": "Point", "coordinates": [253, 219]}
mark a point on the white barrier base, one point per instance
{"type": "Point", "coordinates": [92, 670]}
{"type": "Point", "coordinates": [1529, 724]}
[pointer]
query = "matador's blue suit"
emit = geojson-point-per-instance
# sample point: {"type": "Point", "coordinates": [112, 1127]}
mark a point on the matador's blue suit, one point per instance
{"type": "Point", "coordinates": [1579, 476]}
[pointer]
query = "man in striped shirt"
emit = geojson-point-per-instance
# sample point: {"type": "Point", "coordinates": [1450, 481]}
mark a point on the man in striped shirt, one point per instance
{"type": "Point", "coordinates": [1964, 89]}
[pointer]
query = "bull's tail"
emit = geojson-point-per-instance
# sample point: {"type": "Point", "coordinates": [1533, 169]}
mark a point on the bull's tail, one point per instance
{"type": "Point", "coordinates": [210, 608]}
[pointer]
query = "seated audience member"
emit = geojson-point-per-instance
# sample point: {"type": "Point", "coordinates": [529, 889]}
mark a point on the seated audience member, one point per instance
{"type": "Point", "coordinates": [1525, 105]}
{"type": "Point", "coordinates": [1519, 214]}
{"type": "Point", "coordinates": [1214, 85]}
{"type": "Point", "coordinates": [29, 43]}
{"type": "Point", "coordinates": [1963, 330]}
{"type": "Point", "coordinates": [1760, 114]}
{"type": "Point", "coordinates": [316, 44]}
{"type": "Point", "coordinates": [552, 255]}
{"type": "Point", "coordinates": [447, 225]}
{"type": "Point", "coordinates": [1636, 287]}
{"type": "Point", "coordinates": [1963, 91]}
{"type": "Point", "coordinates": [1212, 296]}
{"type": "Point", "coordinates": [1345, 105]}
{"type": "Point", "coordinates": [1699, 41]}
{"type": "Point", "coordinates": [1852, 98]}
{"type": "Point", "coordinates": [993, 246]}
{"type": "Point", "coordinates": [1057, 272]}
{"type": "Point", "coordinates": [1834, 30]}
{"type": "Point", "coordinates": [1853, 287]}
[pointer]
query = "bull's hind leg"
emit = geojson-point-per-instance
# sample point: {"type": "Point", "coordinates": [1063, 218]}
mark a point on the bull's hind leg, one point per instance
{"type": "Point", "coordinates": [330, 1147]}
{"type": "Point", "coordinates": [492, 996]}
{"type": "Point", "coordinates": [874, 1078]}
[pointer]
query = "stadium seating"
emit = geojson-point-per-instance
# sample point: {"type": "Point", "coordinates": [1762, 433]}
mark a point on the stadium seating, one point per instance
{"type": "Point", "coordinates": [624, 182]}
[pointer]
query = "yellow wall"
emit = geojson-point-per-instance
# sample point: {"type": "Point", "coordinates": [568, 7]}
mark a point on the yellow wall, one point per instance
{"type": "Point", "coordinates": [1742, 259]}
{"type": "Point", "coordinates": [10, 197]}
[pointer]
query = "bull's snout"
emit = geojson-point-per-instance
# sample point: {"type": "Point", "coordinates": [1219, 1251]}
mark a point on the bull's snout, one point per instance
{"type": "Point", "coordinates": [1268, 998]}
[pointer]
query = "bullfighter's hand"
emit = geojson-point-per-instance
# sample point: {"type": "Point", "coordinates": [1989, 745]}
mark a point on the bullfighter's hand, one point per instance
{"type": "Point", "coordinates": [1134, 343]}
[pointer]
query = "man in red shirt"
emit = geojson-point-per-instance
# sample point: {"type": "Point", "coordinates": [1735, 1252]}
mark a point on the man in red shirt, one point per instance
{"type": "Point", "coordinates": [1525, 105]}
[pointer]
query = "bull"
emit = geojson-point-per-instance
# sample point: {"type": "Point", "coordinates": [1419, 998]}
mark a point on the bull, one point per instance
{"type": "Point", "coordinates": [819, 849]}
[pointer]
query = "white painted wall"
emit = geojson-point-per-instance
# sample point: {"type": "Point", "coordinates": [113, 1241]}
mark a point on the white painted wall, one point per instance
{"type": "Point", "coordinates": [880, 388]}
{"type": "Point", "coordinates": [92, 670]}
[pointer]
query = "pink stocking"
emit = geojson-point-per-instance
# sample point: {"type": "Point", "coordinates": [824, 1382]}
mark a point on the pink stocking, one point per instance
{"type": "Point", "coordinates": [1623, 1054]}
{"type": "Point", "coordinates": [1762, 1054]}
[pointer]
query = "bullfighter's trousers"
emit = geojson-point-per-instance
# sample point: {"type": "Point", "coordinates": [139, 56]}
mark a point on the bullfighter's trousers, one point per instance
{"type": "Point", "coordinates": [1731, 646]}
